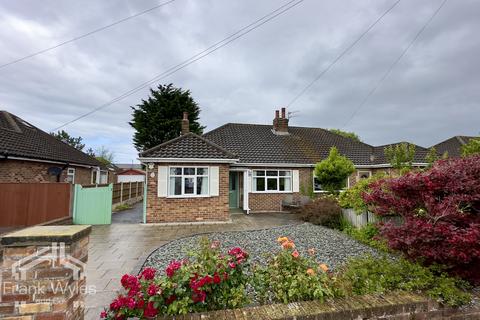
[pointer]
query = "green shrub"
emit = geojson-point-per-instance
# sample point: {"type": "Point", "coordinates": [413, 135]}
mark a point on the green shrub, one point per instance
{"type": "Point", "coordinates": [333, 171]}
{"type": "Point", "coordinates": [370, 275]}
{"type": "Point", "coordinates": [368, 234]}
{"type": "Point", "coordinates": [352, 197]}
{"type": "Point", "coordinates": [323, 211]}
{"type": "Point", "coordinates": [290, 277]}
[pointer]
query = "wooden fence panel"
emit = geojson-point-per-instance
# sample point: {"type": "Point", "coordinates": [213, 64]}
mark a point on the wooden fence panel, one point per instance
{"type": "Point", "coordinates": [27, 204]}
{"type": "Point", "coordinates": [123, 191]}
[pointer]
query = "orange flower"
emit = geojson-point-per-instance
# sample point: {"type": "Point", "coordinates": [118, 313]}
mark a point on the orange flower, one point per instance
{"type": "Point", "coordinates": [310, 272]}
{"type": "Point", "coordinates": [323, 266]}
{"type": "Point", "coordinates": [295, 254]}
{"type": "Point", "coordinates": [311, 251]}
{"type": "Point", "coordinates": [282, 239]}
{"type": "Point", "coordinates": [288, 245]}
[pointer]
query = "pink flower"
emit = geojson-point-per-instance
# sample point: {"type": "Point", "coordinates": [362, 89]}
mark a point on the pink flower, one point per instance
{"type": "Point", "coordinates": [172, 267]}
{"type": "Point", "coordinates": [295, 254]}
{"type": "Point", "coordinates": [215, 244]}
{"type": "Point", "coordinates": [148, 273]}
{"type": "Point", "coordinates": [103, 314]}
{"type": "Point", "coordinates": [232, 265]}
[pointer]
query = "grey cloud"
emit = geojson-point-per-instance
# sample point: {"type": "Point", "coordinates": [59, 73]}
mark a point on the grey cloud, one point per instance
{"type": "Point", "coordinates": [430, 95]}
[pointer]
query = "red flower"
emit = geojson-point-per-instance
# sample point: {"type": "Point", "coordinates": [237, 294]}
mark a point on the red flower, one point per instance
{"type": "Point", "coordinates": [172, 267]}
{"type": "Point", "coordinates": [170, 299]}
{"type": "Point", "coordinates": [140, 303]}
{"type": "Point", "coordinates": [199, 296]}
{"type": "Point", "coordinates": [235, 251]}
{"type": "Point", "coordinates": [232, 265]}
{"type": "Point", "coordinates": [103, 314]}
{"type": "Point", "coordinates": [216, 278]}
{"type": "Point", "coordinates": [150, 311]}
{"type": "Point", "coordinates": [152, 289]}
{"type": "Point", "coordinates": [130, 283]}
{"type": "Point", "coordinates": [148, 273]}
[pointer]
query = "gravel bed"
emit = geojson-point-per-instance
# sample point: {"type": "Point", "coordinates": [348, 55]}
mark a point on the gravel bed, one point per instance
{"type": "Point", "coordinates": [332, 247]}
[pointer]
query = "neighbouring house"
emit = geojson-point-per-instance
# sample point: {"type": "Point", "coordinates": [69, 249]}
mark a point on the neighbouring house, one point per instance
{"type": "Point", "coordinates": [453, 146]}
{"type": "Point", "coordinates": [28, 154]}
{"type": "Point", "coordinates": [247, 167]}
{"type": "Point", "coordinates": [130, 175]}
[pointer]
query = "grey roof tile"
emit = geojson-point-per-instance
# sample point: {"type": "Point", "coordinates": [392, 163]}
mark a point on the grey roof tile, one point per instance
{"type": "Point", "coordinates": [188, 146]}
{"type": "Point", "coordinates": [21, 139]}
{"type": "Point", "coordinates": [453, 145]}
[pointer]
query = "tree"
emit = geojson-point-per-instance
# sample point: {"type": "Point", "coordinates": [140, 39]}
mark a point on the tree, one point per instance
{"type": "Point", "coordinates": [346, 134]}
{"type": "Point", "coordinates": [332, 173]}
{"type": "Point", "coordinates": [431, 156]}
{"type": "Point", "coordinates": [104, 155]}
{"type": "Point", "coordinates": [472, 147]}
{"type": "Point", "coordinates": [64, 136]}
{"type": "Point", "coordinates": [400, 155]}
{"type": "Point", "coordinates": [158, 119]}
{"type": "Point", "coordinates": [440, 208]}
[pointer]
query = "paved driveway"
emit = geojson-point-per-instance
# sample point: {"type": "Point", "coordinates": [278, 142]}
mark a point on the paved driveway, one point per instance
{"type": "Point", "coordinates": [119, 248]}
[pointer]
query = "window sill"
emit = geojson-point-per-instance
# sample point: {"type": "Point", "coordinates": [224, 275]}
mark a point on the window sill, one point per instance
{"type": "Point", "coordinates": [189, 197]}
{"type": "Point", "coordinates": [269, 192]}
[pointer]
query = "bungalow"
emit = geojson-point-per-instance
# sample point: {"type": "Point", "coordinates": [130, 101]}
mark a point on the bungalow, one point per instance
{"type": "Point", "coordinates": [28, 154]}
{"type": "Point", "coordinates": [246, 167]}
{"type": "Point", "coordinates": [453, 146]}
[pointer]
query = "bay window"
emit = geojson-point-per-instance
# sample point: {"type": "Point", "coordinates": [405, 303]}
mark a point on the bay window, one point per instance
{"type": "Point", "coordinates": [188, 181]}
{"type": "Point", "coordinates": [272, 180]}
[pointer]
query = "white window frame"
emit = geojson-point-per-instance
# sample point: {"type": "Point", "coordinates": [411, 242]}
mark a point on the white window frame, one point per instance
{"type": "Point", "coordinates": [71, 173]}
{"type": "Point", "coordinates": [278, 176]}
{"type": "Point", "coordinates": [324, 191]}
{"type": "Point", "coordinates": [183, 176]}
{"type": "Point", "coordinates": [359, 172]}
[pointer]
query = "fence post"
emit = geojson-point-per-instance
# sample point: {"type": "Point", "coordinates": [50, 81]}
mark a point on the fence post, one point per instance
{"type": "Point", "coordinates": [129, 190]}
{"type": "Point", "coordinates": [121, 192]}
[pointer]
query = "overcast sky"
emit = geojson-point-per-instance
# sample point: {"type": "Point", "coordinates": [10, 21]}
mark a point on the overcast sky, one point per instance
{"type": "Point", "coordinates": [432, 94]}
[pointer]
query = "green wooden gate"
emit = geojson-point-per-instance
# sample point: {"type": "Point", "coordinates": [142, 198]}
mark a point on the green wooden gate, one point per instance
{"type": "Point", "coordinates": [92, 205]}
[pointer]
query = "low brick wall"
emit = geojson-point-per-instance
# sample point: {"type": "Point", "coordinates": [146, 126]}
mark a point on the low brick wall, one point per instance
{"type": "Point", "coordinates": [394, 306]}
{"type": "Point", "coordinates": [42, 273]}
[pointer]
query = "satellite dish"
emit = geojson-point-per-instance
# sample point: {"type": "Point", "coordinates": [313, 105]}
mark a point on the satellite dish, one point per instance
{"type": "Point", "coordinates": [54, 171]}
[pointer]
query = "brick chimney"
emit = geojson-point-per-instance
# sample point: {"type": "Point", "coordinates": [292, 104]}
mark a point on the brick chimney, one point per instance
{"type": "Point", "coordinates": [185, 124]}
{"type": "Point", "coordinates": [280, 123]}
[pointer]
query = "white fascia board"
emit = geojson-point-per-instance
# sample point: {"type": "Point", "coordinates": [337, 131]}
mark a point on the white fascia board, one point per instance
{"type": "Point", "coordinates": [387, 165]}
{"type": "Point", "coordinates": [187, 160]}
{"type": "Point", "coordinates": [307, 165]}
{"type": "Point", "coordinates": [50, 161]}
{"type": "Point", "coordinates": [274, 165]}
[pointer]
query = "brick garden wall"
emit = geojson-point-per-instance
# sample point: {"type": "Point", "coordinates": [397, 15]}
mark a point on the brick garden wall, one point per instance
{"type": "Point", "coordinates": [167, 210]}
{"type": "Point", "coordinates": [50, 289]}
{"type": "Point", "coordinates": [12, 171]}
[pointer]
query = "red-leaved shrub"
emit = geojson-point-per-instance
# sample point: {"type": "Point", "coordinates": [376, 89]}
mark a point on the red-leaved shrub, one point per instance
{"type": "Point", "coordinates": [441, 212]}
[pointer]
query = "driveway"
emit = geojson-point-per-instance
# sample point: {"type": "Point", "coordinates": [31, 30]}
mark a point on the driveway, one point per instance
{"type": "Point", "coordinates": [133, 215]}
{"type": "Point", "coordinates": [122, 247]}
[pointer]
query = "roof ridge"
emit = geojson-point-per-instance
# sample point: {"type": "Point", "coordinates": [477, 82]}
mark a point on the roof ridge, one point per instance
{"type": "Point", "coordinates": [11, 121]}
{"type": "Point", "coordinates": [208, 142]}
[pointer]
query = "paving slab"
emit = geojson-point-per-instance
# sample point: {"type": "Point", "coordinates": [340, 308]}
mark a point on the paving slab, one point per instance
{"type": "Point", "coordinates": [119, 248]}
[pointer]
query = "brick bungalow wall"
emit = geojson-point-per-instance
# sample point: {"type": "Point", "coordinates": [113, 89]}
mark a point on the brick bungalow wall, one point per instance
{"type": "Point", "coordinates": [12, 171]}
{"type": "Point", "coordinates": [164, 209]}
{"type": "Point", "coordinates": [268, 202]}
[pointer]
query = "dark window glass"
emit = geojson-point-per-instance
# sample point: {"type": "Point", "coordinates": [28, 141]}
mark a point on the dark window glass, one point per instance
{"type": "Point", "coordinates": [260, 184]}
{"type": "Point", "coordinates": [189, 185]}
{"type": "Point", "coordinates": [272, 184]}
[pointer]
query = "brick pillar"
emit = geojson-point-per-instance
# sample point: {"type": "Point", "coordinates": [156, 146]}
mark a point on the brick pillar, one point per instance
{"type": "Point", "coordinates": [43, 273]}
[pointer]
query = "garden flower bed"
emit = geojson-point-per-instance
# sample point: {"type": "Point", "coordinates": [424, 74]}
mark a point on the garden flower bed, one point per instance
{"type": "Point", "coordinates": [332, 247]}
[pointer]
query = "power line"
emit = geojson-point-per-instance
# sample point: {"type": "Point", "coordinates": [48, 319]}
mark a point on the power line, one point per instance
{"type": "Point", "coordinates": [85, 34]}
{"type": "Point", "coordinates": [385, 75]}
{"type": "Point", "coordinates": [344, 52]}
{"type": "Point", "coordinates": [216, 46]}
